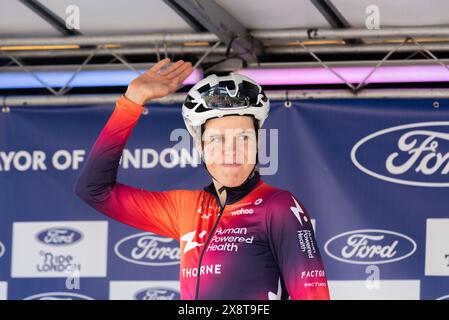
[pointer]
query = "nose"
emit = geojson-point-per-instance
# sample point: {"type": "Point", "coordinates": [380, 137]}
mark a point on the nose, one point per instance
{"type": "Point", "coordinates": [233, 150]}
{"type": "Point", "coordinates": [229, 150]}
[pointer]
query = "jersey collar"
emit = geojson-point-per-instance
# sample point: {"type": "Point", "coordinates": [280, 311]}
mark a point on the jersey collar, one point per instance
{"type": "Point", "coordinates": [235, 194]}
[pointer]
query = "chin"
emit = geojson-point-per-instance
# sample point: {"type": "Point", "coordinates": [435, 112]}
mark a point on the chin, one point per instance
{"type": "Point", "coordinates": [232, 180]}
{"type": "Point", "coordinates": [230, 176]}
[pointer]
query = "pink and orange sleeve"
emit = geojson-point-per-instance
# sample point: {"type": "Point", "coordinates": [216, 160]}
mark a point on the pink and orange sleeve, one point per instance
{"type": "Point", "coordinates": [154, 211]}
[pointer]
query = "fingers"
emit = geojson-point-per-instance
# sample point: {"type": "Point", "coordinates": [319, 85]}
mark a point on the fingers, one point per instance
{"type": "Point", "coordinates": [179, 71]}
{"type": "Point", "coordinates": [158, 66]}
{"type": "Point", "coordinates": [172, 68]}
{"type": "Point", "coordinates": [184, 74]}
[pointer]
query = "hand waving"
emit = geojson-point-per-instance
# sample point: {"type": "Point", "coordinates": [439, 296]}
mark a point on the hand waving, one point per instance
{"type": "Point", "coordinates": [156, 83]}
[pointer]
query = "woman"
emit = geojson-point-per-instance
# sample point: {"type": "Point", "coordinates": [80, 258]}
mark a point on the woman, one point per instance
{"type": "Point", "coordinates": [240, 238]}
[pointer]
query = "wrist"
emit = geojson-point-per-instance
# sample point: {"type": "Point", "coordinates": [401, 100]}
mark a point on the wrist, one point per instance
{"type": "Point", "coordinates": [134, 96]}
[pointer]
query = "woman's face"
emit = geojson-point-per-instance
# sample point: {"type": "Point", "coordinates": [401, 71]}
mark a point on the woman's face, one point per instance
{"type": "Point", "coordinates": [230, 148]}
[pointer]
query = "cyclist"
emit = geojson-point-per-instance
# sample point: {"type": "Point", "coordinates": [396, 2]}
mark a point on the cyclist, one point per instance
{"type": "Point", "coordinates": [240, 238]}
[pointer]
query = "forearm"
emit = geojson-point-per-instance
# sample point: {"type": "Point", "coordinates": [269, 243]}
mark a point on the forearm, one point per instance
{"type": "Point", "coordinates": [99, 173]}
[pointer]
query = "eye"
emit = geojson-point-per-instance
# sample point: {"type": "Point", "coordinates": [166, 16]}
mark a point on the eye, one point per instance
{"type": "Point", "coordinates": [245, 136]}
{"type": "Point", "coordinates": [216, 139]}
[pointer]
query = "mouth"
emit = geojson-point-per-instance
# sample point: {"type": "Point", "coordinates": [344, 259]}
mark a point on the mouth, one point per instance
{"type": "Point", "coordinates": [231, 165]}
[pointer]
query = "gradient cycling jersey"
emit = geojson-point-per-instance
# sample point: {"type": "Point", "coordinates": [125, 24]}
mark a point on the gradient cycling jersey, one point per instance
{"type": "Point", "coordinates": [260, 245]}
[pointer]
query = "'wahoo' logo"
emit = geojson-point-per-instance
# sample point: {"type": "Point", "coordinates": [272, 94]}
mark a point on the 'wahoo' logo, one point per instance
{"type": "Point", "coordinates": [157, 294]}
{"type": "Point", "coordinates": [59, 236]}
{"type": "Point", "coordinates": [415, 154]}
{"type": "Point", "coordinates": [148, 249]}
{"type": "Point", "coordinates": [370, 246]}
{"type": "Point", "coordinates": [242, 211]}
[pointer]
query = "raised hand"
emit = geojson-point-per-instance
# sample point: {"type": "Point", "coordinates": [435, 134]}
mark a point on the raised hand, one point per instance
{"type": "Point", "coordinates": [156, 83]}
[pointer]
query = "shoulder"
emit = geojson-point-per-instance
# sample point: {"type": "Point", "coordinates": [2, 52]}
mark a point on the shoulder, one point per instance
{"type": "Point", "coordinates": [278, 199]}
{"type": "Point", "coordinates": [284, 211]}
{"type": "Point", "coordinates": [274, 195]}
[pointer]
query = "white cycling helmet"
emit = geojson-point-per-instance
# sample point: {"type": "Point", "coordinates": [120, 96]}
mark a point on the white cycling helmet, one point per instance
{"type": "Point", "coordinates": [214, 97]}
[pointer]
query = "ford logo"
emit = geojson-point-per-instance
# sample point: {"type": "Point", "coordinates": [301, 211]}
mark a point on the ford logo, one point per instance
{"type": "Point", "coordinates": [2, 249]}
{"type": "Point", "coordinates": [148, 249]}
{"type": "Point", "coordinates": [415, 154]}
{"type": "Point", "coordinates": [58, 296]}
{"type": "Point", "coordinates": [59, 236]}
{"type": "Point", "coordinates": [157, 294]}
{"type": "Point", "coordinates": [370, 246]}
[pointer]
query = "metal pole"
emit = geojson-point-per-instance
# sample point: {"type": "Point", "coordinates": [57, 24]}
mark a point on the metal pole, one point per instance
{"type": "Point", "coordinates": [24, 101]}
{"type": "Point", "coordinates": [354, 49]}
{"type": "Point", "coordinates": [308, 34]}
{"type": "Point", "coordinates": [122, 51]}
{"type": "Point", "coordinates": [294, 49]}
{"type": "Point", "coordinates": [263, 35]}
{"type": "Point", "coordinates": [123, 39]}
{"type": "Point", "coordinates": [229, 66]}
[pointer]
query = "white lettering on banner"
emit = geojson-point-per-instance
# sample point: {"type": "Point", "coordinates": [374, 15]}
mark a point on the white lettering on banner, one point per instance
{"type": "Point", "coordinates": [146, 158]}
{"type": "Point", "coordinates": [306, 243]}
{"type": "Point", "coordinates": [428, 148]}
{"type": "Point", "coordinates": [22, 160]}
{"type": "Point", "coordinates": [147, 247]}
{"type": "Point", "coordinates": [423, 155]}
{"type": "Point", "coordinates": [370, 246]}
{"type": "Point", "coordinates": [63, 159]}
{"type": "Point", "coordinates": [149, 158]}
{"type": "Point", "coordinates": [207, 269]}
{"type": "Point", "coordinates": [57, 263]}
{"type": "Point", "coordinates": [358, 247]}
{"type": "Point", "coordinates": [35, 160]}
{"type": "Point", "coordinates": [181, 154]}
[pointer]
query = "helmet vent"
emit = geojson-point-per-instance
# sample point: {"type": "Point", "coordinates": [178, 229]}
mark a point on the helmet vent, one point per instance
{"type": "Point", "coordinates": [204, 88]}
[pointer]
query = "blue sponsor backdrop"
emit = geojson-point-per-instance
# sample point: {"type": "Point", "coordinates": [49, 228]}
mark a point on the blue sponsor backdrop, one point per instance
{"type": "Point", "coordinates": [370, 173]}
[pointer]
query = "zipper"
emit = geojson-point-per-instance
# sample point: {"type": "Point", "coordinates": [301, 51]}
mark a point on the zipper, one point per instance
{"type": "Point", "coordinates": [197, 289]}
